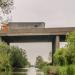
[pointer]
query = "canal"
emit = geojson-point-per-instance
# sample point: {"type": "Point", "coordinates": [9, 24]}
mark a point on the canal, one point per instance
{"type": "Point", "coordinates": [24, 71]}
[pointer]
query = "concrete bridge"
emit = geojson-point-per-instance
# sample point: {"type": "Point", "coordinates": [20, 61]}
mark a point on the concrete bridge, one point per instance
{"type": "Point", "coordinates": [34, 34]}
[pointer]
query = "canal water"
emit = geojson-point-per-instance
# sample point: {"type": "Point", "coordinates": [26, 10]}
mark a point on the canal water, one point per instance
{"type": "Point", "coordinates": [24, 71]}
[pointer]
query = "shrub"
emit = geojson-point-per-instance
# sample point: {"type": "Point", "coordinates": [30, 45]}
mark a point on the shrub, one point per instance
{"type": "Point", "coordinates": [46, 69]}
{"type": "Point", "coordinates": [18, 57]}
{"type": "Point", "coordinates": [71, 47]}
{"type": "Point", "coordinates": [4, 57]}
{"type": "Point", "coordinates": [61, 70]}
{"type": "Point", "coordinates": [71, 70]}
{"type": "Point", "coordinates": [39, 62]}
{"type": "Point", "coordinates": [60, 57]}
{"type": "Point", "coordinates": [65, 57]}
{"type": "Point", "coordinates": [66, 70]}
{"type": "Point", "coordinates": [11, 57]}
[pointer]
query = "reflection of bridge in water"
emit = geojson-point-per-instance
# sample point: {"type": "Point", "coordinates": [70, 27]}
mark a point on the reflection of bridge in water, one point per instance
{"type": "Point", "coordinates": [35, 33]}
{"type": "Point", "coordinates": [27, 71]}
{"type": "Point", "coordinates": [23, 71]}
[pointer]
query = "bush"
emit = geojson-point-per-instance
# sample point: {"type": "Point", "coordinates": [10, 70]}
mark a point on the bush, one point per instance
{"type": "Point", "coordinates": [39, 62]}
{"type": "Point", "coordinates": [4, 57]}
{"type": "Point", "coordinates": [66, 70]}
{"type": "Point", "coordinates": [18, 57]}
{"type": "Point", "coordinates": [65, 57]}
{"type": "Point", "coordinates": [60, 56]}
{"type": "Point", "coordinates": [11, 57]}
{"type": "Point", "coordinates": [46, 69]}
{"type": "Point", "coordinates": [71, 70]}
{"type": "Point", "coordinates": [61, 70]}
{"type": "Point", "coordinates": [71, 47]}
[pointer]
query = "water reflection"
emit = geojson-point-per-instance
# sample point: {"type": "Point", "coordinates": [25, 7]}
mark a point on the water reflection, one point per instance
{"type": "Point", "coordinates": [34, 71]}
{"type": "Point", "coordinates": [5, 73]}
{"type": "Point", "coordinates": [28, 71]}
{"type": "Point", "coordinates": [20, 71]}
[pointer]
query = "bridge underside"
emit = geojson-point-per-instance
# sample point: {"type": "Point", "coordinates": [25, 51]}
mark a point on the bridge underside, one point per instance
{"type": "Point", "coordinates": [54, 35]}
{"type": "Point", "coordinates": [39, 38]}
{"type": "Point", "coordinates": [35, 38]}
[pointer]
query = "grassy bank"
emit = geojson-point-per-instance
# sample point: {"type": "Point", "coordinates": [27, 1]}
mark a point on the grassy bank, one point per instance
{"type": "Point", "coordinates": [59, 70]}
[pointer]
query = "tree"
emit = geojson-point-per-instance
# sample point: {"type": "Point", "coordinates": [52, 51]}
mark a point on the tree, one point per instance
{"type": "Point", "coordinates": [4, 57]}
{"type": "Point", "coordinates": [66, 55]}
{"type": "Point", "coordinates": [11, 57]}
{"type": "Point", "coordinates": [6, 6]}
{"type": "Point", "coordinates": [60, 56]}
{"type": "Point", "coordinates": [18, 57]}
{"type": "Point", "coordinates": [39, 62]}
{"type": "Point", "coordinates": [71, 47]}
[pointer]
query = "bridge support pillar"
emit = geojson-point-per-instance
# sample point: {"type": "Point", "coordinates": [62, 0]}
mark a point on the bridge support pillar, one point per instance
{"type": "Point", "coordinates": [57, 42]}
{"type": "Point", "coordinates": [55, 45]}
{"type": "Point", "coordinates": [0, 39]}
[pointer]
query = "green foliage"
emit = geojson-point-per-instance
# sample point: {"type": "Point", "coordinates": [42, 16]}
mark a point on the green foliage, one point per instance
{"type": "Point", "coordinates": [6, 73]}
{"type": "Point", "coordinates": [71, 47]}
{"type": "Point", "coordinates": [60, 56]}
{"type": "Point", "coordinates": [4, 57]}
{"type": "Point", "coordinates": [4, 47]}
{"type": "Point", "coordinates": [49, 70]}
{"type": "Point", "coordinates": [65, 57]}
{"type": "Point", "coordinates": [11, 57]}
{"type": "Point", "coordinates": [46, 69]}
{"type": "Point", "coordinates": [66, 70]}
{"type": "Point", "coordinates": [71, 70]}
{"type": "Point", "coordinates": [61, 70]}
{"type": "Point", "coordinates": [39, 62]}
{"type": "Point", "coordinates": [42, 65]}
{"type": "Point", "coordinates": [18, 57]}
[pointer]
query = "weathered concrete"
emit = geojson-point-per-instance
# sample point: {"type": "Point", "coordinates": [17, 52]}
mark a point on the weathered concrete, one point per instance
{"type": "Point", "coordinates": [22, 25]}
{"type": "Point", "coordinates": [57, 40]}
{"type": "Point", "coordinates": [54, 35]}
{"type": "Point", "coordinates": [37, 31]}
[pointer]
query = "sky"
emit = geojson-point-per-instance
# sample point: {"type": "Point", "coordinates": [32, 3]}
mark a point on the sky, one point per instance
{"type": "Point", "coordinates": [34, 49]}
{"type": "Point", "coordinates": [55, 13]}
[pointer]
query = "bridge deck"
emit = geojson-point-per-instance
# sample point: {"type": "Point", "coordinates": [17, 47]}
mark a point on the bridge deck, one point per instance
{"type": "Point", "coordinates": [37, 31]}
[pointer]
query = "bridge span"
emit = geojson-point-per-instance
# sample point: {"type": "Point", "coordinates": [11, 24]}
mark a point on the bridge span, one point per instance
{"type": "Point", "coordinates": [54, 35]}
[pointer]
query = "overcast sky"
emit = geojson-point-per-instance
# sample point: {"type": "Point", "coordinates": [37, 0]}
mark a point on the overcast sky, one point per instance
{"type": "Point", "coordinates": [54, 13]}
{"type": "Point", "coordinates": [35, 49]}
